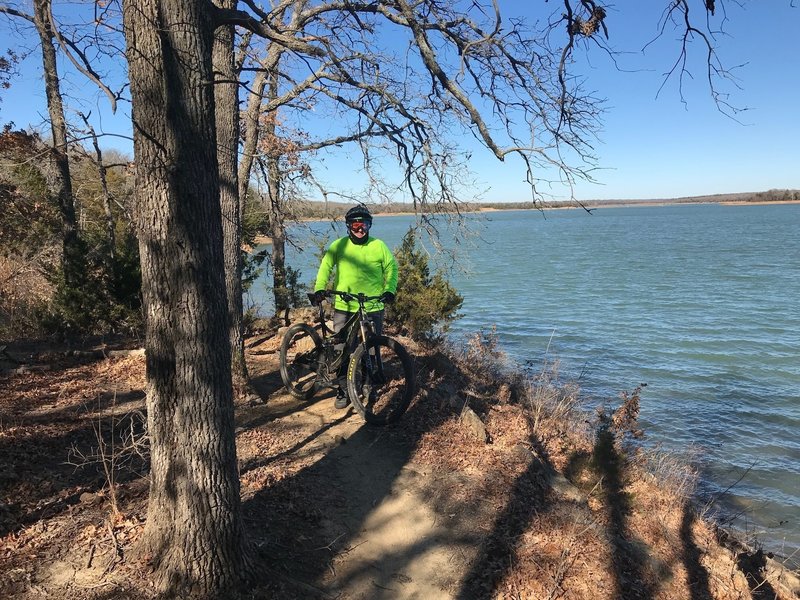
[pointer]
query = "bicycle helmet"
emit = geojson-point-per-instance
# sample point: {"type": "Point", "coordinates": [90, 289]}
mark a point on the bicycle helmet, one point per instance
{"type": "Point", "coordinates": [358, 213]}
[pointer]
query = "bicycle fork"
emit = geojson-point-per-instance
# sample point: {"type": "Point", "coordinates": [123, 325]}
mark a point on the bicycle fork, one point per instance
{"type": "Point", "coordinates": [373, 366]}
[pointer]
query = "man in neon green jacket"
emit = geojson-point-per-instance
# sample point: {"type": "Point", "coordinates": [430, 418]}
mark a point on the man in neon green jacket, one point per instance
{"type": "Point", "coordinates": [362, 264]}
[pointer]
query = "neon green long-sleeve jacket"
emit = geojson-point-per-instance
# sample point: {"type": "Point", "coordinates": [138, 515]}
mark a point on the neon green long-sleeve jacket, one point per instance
{"type": "Point", "coordinates": [367, 268]}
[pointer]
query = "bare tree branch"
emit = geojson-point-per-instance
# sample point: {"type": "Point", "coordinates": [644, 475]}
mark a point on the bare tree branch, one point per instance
{"type": "Point", "coordinates": [84, 66]}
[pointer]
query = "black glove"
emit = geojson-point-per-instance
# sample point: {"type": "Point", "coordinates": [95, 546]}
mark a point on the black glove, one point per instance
{"type": "Point", "coordinates": [319, 296]}
{"type": "Point", "coordinates": [387, 297]}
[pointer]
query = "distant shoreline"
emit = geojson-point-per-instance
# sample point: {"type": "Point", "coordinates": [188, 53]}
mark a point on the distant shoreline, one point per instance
{"type": "Point", "coordinates": [262, 240]}
{"type": "Point", "coordinates": [757, 203]}
{"type": "Point", "coordinates": [593, 204]}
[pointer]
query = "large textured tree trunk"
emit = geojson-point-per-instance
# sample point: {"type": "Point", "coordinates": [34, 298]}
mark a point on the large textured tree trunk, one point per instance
{"type": "Point", "coordinates": [61, 182]}
{"type": "Point", "coordinates": [193, 536]}
{"type": "Point", "coordinates": [227, 113]}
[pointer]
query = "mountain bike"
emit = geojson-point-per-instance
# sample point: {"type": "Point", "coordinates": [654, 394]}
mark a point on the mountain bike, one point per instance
{"type": "Point", "coordinates": [379, 373]}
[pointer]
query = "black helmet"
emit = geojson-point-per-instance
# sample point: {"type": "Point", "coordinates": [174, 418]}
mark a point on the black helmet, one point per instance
{"type": "Point", "coordinates": [358, 213]}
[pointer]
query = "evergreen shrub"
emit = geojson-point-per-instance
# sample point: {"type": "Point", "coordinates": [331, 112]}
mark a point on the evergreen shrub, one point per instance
{"type": "Point", "coordinates": [426, 303]}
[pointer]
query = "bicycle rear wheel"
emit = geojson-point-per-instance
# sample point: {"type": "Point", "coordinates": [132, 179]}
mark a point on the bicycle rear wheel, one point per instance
{"type": "Point", "coordinates": [380, 380]}
{"type": "Point", "coordinates": [300, 352]}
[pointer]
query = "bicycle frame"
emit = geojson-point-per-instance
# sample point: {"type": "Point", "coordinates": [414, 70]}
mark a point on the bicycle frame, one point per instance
{"type": "Point", "coordinates": [348, 333]}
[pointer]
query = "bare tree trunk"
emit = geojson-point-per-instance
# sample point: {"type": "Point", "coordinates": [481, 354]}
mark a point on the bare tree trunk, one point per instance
{"type": "Point", "coordinates": [251, 131]}
{"type": "Point", "coordinates": [61, 184]}
{"type": "Point", "coordinates": [252, 135]}
{"type": "Point", "coordinates": [277, 231]}
{"type": "Point", "coordinates": [102, 173]}
{"type": "Point", "coordinates": [193, 536]}
{"type": "Point", "coordinates": [277, 226]}
{"type": "Point", "coordinates": [227, 114]}
{"type": "Point", "coordinates": [110, 225]}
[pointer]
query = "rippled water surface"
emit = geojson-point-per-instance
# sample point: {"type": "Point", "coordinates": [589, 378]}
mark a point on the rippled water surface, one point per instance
{"type": "Point", "coordinates": [701, 302]}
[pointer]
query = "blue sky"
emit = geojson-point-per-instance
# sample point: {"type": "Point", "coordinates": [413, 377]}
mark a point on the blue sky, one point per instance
{"type": "Point", "coordinates": [654, 146]}
{"type": "Point", "coordinates": [660, 147]}
{"type": "Point", "coordinates": [650, 147]}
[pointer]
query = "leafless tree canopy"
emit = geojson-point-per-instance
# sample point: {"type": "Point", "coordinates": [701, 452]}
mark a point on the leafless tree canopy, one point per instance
{"type": "Point", "coordinates": [412, 78]}
{"type": "Point", "coordinates": [409, 79]}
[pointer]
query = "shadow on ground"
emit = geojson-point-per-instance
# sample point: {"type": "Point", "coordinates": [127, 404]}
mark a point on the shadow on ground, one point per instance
{"type": "Point", "coordinates": [334, 507]}
{"type": "Point", "coordinates": [49, 442]}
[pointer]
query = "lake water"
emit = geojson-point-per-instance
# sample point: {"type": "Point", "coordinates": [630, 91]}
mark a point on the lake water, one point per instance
{"type": "Point", "coordinates": [698, 301]}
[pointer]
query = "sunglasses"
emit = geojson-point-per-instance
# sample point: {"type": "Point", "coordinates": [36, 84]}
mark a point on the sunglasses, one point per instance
{"type": "Point", "coordinates": [359, 227]}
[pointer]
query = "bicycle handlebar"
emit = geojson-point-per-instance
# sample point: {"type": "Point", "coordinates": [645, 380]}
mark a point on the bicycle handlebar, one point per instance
{"type": "Point", "coordinates": [346, 296]}
{"type": "Point", "coordinates": [360, 297]}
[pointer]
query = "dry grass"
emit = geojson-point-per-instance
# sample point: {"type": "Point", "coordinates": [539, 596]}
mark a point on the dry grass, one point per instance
{"type": "Point", "coordinates": [626, 529]}
{"type": "Point", "coordinates": [553, 513]}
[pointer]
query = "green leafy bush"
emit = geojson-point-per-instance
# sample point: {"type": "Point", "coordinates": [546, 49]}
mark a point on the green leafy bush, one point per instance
{"type": "Point", "coordinates": [426, 303]}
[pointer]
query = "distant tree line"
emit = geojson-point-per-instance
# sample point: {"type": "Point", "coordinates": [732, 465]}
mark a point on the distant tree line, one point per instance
{"type": "Point", "coordinates": [312, 209]}
{"type": "Point", "coordinates": [775, 196]}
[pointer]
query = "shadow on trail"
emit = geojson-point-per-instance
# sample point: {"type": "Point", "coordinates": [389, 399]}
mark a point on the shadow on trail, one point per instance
{"type": "Point", "coordinates": [304, 520]}
{"type": "Point", "coordinates": [251, 465]}
{"type": "Point", "coordinates": [301, 522]}
{"type": "Point", "coordinates": [266, 383]}
{"type": "Point", "coordinates": [265, 413]}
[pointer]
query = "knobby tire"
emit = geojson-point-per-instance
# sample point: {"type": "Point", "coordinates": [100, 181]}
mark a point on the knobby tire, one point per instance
{"type": "Point", "coordinates": [300, 350]}
{"type": "Point", "coordinates": [380, 391]}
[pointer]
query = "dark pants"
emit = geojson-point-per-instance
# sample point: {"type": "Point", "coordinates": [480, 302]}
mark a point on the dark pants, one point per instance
{"type": "Point", "coordinates": [340, 318]}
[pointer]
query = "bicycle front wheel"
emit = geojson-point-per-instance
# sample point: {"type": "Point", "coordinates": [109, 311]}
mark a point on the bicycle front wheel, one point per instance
{"type": "Point", "coordinates": [300, 353]}
{"type": "Point", "coordinates": [380, 380]}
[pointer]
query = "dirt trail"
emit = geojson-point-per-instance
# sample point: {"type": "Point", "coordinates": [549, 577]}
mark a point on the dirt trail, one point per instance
{"type": "Point", "coordinates": [335, 508]}
{"type": "Point", "coordinates": [385, 538]}
{"type": "Point", "coordinates": [423, 509]}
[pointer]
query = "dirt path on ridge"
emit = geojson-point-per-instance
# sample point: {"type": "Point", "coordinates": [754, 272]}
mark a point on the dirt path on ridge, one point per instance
{"type": "Point", "coordinates": [381, 535]}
